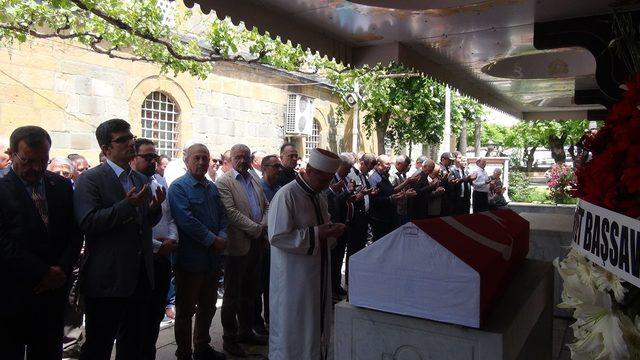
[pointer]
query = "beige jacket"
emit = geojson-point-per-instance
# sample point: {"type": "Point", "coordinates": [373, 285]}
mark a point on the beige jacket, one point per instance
{"type": "Point", "coordinates": [241, 230]}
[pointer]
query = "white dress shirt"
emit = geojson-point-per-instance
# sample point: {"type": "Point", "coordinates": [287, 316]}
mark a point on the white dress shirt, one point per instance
{"type": "Point", "coordinates": [166, 227]}
{"type": "Point", "coordinates": [481, 183]}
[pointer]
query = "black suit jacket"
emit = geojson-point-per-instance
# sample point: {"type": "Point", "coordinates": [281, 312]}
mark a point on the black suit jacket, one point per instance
{"type": "Point", "coordinates": [337, 203]}
{"type": "Point", "coordinates": [457, 189]}
{"type": "Point", "coordinates": [383, 209]}
{"type": "Point", "coordinates": [27, 247]}
{"type": "Point", "coordinates": [117, 234]}
{"type": "Point", "coordinates": [418, 206]}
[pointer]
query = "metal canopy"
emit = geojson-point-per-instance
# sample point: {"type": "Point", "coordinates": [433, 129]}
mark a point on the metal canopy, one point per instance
{"type": "Point", "coordinates": [484, 48]}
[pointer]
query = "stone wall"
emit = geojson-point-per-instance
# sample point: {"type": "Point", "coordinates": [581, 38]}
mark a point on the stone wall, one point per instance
{"type": "Point", "coordinates": [69, 90]}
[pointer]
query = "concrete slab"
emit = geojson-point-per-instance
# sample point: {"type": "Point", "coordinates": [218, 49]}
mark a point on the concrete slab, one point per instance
{"type": "Point", "coordinates": [520, 327]}
{"type": "Point", "coordinates": [550, 238]}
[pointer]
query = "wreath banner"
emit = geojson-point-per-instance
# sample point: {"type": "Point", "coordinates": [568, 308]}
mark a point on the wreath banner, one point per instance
{"type": "Point", "coordinates": [608, 239]}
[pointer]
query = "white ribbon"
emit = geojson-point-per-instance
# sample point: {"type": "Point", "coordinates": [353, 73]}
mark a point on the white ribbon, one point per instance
{"type": "Point", "coordinates": [505, 250]}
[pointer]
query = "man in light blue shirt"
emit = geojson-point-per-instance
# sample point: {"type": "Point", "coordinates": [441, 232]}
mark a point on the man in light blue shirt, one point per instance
{"type": "Point", "coordinates": [202, 228]}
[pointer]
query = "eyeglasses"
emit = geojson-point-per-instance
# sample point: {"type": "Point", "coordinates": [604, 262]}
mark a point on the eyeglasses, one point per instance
{"type": "Point", "coordinates": [124, 139]}
{"type": "Point", "coordinates": [149, 156]}
{"type": "Point", "coordinates": [42, 162]}
{"type": "Point", "coordinates": [216, 162]}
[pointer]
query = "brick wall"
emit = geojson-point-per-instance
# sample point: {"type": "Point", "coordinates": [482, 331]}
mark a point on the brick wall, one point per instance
{"type": "Point", "coordinates": [69, 90]}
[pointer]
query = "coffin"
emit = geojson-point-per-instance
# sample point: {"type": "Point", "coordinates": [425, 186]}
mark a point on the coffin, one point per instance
{"type": "Point", "coordinates": [449, 269]}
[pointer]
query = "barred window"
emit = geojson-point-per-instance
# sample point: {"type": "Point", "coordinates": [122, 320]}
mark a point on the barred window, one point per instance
{"type": "Point", "coordinates": [313, 140]}
{"type": "Point", "coordinates": [160, 122]}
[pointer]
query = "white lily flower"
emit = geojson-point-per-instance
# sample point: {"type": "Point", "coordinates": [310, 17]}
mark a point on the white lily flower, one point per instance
{"type": "Point", "coordinates": [576, 293]}
{"type": "Point", "coordinates": [600, 334]}
{"type": "Point", "coordinates": [608, 281]}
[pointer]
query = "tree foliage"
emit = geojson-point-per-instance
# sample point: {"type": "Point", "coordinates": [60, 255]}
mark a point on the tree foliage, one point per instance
{"type": "Point", "coordinates": [398, 104]}
{"type": "Point", "coordinates": [402, 106]}
{"type": "Point", "coordinates": [137, 31]}
{"type": "Point", "coordinates": [528, 136]}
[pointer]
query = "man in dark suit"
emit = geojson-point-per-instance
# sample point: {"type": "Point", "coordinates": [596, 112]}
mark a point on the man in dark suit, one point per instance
{"type": "Point", "coordinates": [358, 229]}
{"type": "Point", "coordinates": [39, 244]}
{"type": "Point", "coordinates": [340, 198]}
{"type": "Point", "coordinates": [289, 159]}
{"type": "Point", "coordinates": [461, 186]}
{"type": "Point", "coordinates": [418, 207]}
{"type": "Point", "coordinates": [383, 210]}
{"type": "Point", "coordinates": [116, 211]}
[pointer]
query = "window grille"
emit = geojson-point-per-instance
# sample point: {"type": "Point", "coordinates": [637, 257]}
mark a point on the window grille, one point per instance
{"type": "Point", "coordinates": [290, 120]}
{"type": "Point", "coordinates": [160, 123]}
{"type": "Point", "coordinates": [313, 140]}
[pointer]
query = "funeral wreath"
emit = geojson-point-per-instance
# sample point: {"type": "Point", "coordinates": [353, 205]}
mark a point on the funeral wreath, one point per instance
{"type": "Point", "coordinates": [601, 272]}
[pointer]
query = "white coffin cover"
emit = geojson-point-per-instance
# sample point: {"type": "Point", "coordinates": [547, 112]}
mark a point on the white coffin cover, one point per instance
{"type": "Point", "coordinates": [409, 273]}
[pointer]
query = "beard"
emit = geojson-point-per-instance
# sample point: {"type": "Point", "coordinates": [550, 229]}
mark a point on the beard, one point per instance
{"type": "Point", "coordinates": [149, 170]}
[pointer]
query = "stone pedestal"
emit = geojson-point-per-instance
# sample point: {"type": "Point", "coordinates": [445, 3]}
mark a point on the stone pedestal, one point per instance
{"type": "Point", "coordinates": [550, 238]}
{"type": "Point", "coordinates": [519, 327]}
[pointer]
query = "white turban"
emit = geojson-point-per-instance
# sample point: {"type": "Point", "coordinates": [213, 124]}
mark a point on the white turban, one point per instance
{"type": "Point", "coordinates": [324, 160]}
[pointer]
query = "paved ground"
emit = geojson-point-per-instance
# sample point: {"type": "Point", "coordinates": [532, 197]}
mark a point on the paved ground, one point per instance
{"type": "Point", "coordinates": [562, 335]}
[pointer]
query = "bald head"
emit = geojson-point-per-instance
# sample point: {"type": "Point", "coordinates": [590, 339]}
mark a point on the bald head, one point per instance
{"type": "Point", "coordinates": [427, 166]}
{"type": "Point", "coordinates": [384, 164]}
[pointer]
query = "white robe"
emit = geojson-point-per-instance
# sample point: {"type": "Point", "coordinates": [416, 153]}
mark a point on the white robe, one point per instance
{"type": "Point", "coordinates": [300, 282]}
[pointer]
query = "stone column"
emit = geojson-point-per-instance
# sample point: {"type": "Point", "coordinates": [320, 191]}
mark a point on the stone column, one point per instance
{"type": "Point", "coordinates": [446, 136]}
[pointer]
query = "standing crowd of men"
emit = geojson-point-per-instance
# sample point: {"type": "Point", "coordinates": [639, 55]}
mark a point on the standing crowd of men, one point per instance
{"type": "Point", "coordinates": [139, 237]}
{"type": "Point", "coordinates": [373, 197]}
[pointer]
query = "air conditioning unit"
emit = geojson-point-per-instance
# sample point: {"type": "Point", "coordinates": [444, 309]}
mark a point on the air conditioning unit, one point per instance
{"type": "Point", "coordinates": [299, 115]}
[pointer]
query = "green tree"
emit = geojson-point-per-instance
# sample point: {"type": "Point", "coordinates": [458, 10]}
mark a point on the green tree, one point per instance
{"type": "Point", "coordinates": [529, 136]}
{"type": "Point", "coordinates": [402, 106]}
{"type": "Point", "coordinates": [560, 133]}
{"type": "Point", "coordinates": [136, 31]}
{"type": "Point", "coordinates": [399, 104]}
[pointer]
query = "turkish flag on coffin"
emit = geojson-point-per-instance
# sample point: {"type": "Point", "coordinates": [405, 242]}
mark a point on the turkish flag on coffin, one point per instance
{"type": "Point", "coordinates": [450, 269]}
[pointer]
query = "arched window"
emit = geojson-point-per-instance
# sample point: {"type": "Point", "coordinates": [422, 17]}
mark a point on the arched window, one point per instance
{"type": "Point", "coordinates": [313, 140]}
{"type": "Point", "coordinates": [160, 122]}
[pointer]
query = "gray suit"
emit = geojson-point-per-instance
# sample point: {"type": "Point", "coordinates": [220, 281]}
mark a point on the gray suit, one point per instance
{"type": "Point", "coordinates": [118, 236]}
{"type": "Point", "coordinates": [116, 274]}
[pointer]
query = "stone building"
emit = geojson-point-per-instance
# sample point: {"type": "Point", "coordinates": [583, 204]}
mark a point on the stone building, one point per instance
{"type": "Point", "coordinates": [69, 90]}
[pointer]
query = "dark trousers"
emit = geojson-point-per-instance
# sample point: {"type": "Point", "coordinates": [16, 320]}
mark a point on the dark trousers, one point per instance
{"type": "Point", "coordinates": [337, 257]}
{"type": "Point", "coordinates": [462, 205]}
{"type": "Point", "coordinates": [261, 315]}
{"type": "Point", "coordinates": [116, 318]}
{"type": "Point", "coordinates": [480, 201]}
{"type": "Point", "coordinates": [196, 293]}
{"type": "Point", "coordinates": [357, 230]}
{"type": "Point", "coordinates": [241, 275]}
{"type": "Point", "coordinates": [36, 327]}
{"type": "Point", "coordinates": [157, 304]}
